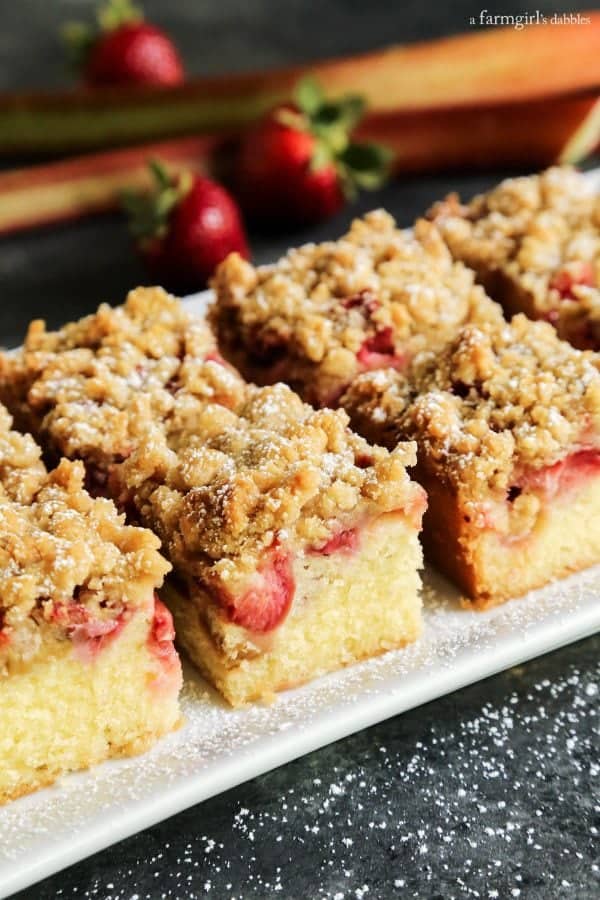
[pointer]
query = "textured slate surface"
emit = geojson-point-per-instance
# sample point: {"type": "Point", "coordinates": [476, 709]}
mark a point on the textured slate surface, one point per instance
{"type": "Point", "coordinates": [492, 792]}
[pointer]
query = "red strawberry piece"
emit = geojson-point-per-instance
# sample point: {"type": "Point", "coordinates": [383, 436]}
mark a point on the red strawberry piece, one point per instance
{"type": "Point", "coordinates": [298, 166]}
{"type": "Point", "coordinates": [268, 599]}
{"type": "Point", "coordinates": [185, 228]}
{"type": "Point", "coordinates": [345, 542]}
{"type": "Point", "coordinates": [163, 632]}
{"type": "Point", "coordinates": [124, 49]}
{"type": "Point", "coordinates": [4, 631]}
{"type": "Point", "coordinates": [564, 280]}
{"type": "Point", "coordinates": [565, 475]}
{"type": "Point", "coordinates": [365, 300]}
{"type": "Point", "coordinates": [381, 342]}
{"type": "Point", "coordinates": [216, 357]}
{"type": "Point", "coordinates": [378, 352]}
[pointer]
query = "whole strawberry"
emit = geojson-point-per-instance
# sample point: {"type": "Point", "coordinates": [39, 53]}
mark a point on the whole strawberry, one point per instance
{"type": "Point", "coordinates": [184, 228]}
{"type": "Point", "coordinates": [299, 165]}
{"type": "Point", "coordinates": [123, 49]}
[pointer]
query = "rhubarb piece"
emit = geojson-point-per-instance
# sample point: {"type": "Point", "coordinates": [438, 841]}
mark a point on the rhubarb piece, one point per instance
{"type": "Point", "coordinates": [325, 313]}
{"type": "Point", "coordinates": [520, 134]}
{"type": "Point", "coordinates": [507, 423]}
{"type": "Point", "coordinates": [63, 191]}
{"type": "Point", "coordinates": [534, 243]}
{"type": "Point", "coordinates": [294, 543]}
{"type": "Point", "coordinates": [479, 69]}
{"type": "Point", "coordinates": [87, 665]}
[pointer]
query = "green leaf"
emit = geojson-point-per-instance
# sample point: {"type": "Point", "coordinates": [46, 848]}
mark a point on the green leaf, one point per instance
{"type": "Point", "coordinates": [309, 95]}
{"type": "Point", "coordinates": [149, 211]}
{"type": "Point", "coordinates": [160, 173]}
{"type": "Point", "coordinates": [352, 110]}
{"type": "Point", "coordinates": [78, 40]}
{"type": "Point", "coordinates": [332, 122]}
{"type": "Point", "coordinates": [367, 165]}
{"type": "Point", "coordinates": [322, 156]}
{"type": "Point", "coordinates": [115, 13]}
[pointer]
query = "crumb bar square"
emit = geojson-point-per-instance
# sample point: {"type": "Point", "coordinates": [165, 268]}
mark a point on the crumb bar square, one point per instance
{"type": "Point", "coordinates": [294, 543]}
{"type": "Point", "coordinates": [507, 424]}
{"type": "Point", "coordinates": [534, 243]}
{"type": "Point", "coordinates": [88, 669]}
{"type": "Point", "coordinates": [325, 313]}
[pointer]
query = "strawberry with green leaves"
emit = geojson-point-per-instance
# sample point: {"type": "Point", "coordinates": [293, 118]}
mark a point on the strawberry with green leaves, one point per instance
{"type": "Point", "coordinates": [123, 49]}
{"type": "Point", "coordinates": [184, 228]}
{"type": "Point", "coordinates": [299, 165]}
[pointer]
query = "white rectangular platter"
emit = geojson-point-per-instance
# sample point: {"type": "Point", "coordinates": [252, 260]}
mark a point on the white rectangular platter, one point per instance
{"type": "Point", "coordinates": [218, 748]}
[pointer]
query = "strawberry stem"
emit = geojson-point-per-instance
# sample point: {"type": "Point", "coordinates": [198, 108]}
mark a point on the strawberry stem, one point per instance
{"type": "Point", "coordinates": [79, 37]}
{"type": "Point", "coordinates": [149, 211]}
{"type": "Point", "coordinates": [359, 166]}
{"type": "Point", "coordinates": [115, 13]}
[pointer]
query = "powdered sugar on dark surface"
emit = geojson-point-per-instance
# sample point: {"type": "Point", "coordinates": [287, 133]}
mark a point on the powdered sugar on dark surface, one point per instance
{"type": "Point", "coordinates": [491, 793]}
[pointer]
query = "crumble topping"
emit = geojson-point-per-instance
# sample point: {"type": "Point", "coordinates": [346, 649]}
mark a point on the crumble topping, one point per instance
{"type": "Point", "coordinates": [21, 468]}
{"type": "Point", "coordinates": [75, 387]}
{"type": "Point", "coordinates": [376, 290]}
{"type": "Point", "coordinates": [496, 402]}
{"type": "Point", "coordinates": [219, 469]}
{"type": "Point", "coordinates": [222, 487]}
{"type": "Point", "coordinates": [68, 564]}
{"type": "Point", "coordinates": [541, 231]}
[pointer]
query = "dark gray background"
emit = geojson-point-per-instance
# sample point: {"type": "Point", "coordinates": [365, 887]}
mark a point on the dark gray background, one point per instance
{"type": "Point", "coordinates": [490, 792]}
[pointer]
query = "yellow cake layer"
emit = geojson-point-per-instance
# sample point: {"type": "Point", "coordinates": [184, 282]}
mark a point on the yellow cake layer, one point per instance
{"type": "Point", "coordinates": [491, 569]}
{"type": "Point", "coordinates": [346, 608]}
{"type": "Point", "coordinates": [63, 713]}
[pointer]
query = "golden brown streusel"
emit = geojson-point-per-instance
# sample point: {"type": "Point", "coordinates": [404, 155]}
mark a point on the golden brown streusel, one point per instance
{"type": "Point", "coordinates": [75, 387]}
{"type": "Point", "coordinates": [217, 467]}
{"type": "Point", "coordinates": [535, 244]}
{"type": "Point", "coordinates": [494, 403]}
{"type": "Point", "coordinates": [327, 311]}
{"type": "Point", "coordinates": [220, 488]}
{"type": "Point", "coordinates": [21, 469]}
{"type": "Point", "coordinates": [67, 562]}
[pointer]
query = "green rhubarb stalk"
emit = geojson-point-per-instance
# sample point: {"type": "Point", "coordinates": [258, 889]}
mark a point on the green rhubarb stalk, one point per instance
{"type": "Point", "coordinates": [73, 188]}
{"type": "Point", "coordinates": [482, 68]}
{"type": "Point", "coordinates": [538, 133]}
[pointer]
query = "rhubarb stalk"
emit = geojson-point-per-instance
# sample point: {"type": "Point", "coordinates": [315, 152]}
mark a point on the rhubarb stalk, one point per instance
{"type": "Point", "coordinates": [62, 191]}
{"type": "Point", "coordinates": [521, 134]}
{"type": "Point", "coordinates": [531, 134]}
{"type": "Point", "coordinates": [482, 69]}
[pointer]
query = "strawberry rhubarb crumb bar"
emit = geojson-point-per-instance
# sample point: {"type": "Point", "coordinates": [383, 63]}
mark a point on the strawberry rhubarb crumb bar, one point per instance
{"type": "Point", "coordinates": [294, 543]}
{"type": "Point", "coordinates": [325, 313]}
{"type": "Point", "coordinates": [534, 243]}
{"type": "Point", "coordinates": [507, 423]}
{"type": "Point", "coordinates": [87, 664]}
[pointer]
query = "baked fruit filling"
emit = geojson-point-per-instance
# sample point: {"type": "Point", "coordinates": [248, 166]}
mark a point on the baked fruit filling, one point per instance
{"type": "Point", "coordinates": [535, 245]}
{"type": "Point", "coordinates": [255, 496]}
{"type": "Point", "coordinates": [507, 423]}
{"type": "Point", "coordinates": [77, 615]}
{"type": "Point", "coordinates": [266, 599]}
{"type": "Point", "coordinates": [325, 313]}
